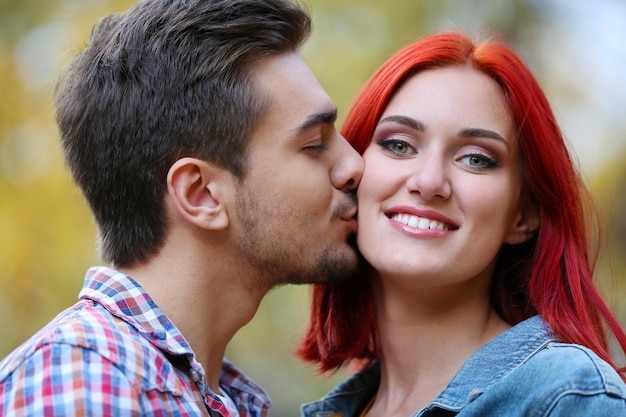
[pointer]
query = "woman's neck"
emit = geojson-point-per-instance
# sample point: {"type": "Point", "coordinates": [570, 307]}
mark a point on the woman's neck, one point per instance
{"type": "Point", "coordinates": [425, 338]}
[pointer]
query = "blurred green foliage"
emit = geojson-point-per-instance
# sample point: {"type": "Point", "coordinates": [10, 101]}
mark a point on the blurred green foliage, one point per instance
{"type": "Point", "coordinates": [47, 237]}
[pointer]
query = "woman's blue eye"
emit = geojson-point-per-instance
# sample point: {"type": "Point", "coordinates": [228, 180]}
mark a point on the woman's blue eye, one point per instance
{"type": "Point", "coordinates": [397, 146]}
{"type": "Point", "coordinates": [479, 161]}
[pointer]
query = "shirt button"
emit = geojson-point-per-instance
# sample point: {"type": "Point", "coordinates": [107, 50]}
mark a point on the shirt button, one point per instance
{"type": "Point", "coordinates": [195, 375]}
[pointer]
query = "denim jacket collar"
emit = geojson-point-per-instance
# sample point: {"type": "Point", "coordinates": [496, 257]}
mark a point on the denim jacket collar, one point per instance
{"type": "Point", "coordinates": [488, 365]}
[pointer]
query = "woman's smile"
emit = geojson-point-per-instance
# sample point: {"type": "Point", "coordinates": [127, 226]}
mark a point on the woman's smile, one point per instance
{"type": "Point", "coordinates": [421, 223]}
{"type": "Point", "coordinates": [443, 170]}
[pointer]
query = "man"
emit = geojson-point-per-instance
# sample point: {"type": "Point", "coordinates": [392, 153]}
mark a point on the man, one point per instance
{"type": "Point", "coordinates": [207, 152]}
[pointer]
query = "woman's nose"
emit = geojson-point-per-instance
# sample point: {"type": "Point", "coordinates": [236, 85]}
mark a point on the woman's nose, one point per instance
{"type": "Point", "coordinates": [429, 177]}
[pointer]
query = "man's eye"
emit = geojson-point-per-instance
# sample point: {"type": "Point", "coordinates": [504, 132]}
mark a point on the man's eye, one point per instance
{"type": "Point", "coordinates": [317, 149]}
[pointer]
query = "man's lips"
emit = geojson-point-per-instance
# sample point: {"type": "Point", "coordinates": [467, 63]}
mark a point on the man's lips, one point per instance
{"type": "Point", "coordinates": [350, 218]}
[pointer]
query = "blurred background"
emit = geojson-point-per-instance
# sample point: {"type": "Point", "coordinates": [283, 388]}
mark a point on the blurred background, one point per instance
{"type": "Point", "coordinates": [576, 48]}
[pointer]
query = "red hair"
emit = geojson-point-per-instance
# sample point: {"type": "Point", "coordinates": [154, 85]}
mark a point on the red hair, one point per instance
{"type": "Point", "coordinates": [551, 275]}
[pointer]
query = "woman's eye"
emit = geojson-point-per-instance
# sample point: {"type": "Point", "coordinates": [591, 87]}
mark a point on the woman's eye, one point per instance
{"type": "Point", "coordinates": [397, 146]}
{"type": "Point", "coordinates": [479, 161]}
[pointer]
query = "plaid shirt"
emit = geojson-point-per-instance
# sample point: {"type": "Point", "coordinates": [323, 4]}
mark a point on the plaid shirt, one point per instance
{"type": "Point", "coordinates": [114, 353]}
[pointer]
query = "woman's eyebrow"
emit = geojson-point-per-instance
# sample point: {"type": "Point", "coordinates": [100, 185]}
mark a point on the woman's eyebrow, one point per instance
{"type": "Point", "coordinates": [473, 132]}
{"type": "Point", "coordinates": [404, 120]}
{"type": "Point", "coordinates": [476, 132]}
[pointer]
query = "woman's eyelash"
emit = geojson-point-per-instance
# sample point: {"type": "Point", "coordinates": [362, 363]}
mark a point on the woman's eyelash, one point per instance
{"type": "Point", "coordinates": [478, 160]}
{"type": "Point", "coordinates": [474, 160]}
{"type": "Point", "coordinates": [397, 146]}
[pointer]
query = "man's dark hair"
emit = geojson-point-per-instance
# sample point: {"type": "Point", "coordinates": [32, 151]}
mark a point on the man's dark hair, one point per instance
{"type": "Point", "coordinates": [164, 80]}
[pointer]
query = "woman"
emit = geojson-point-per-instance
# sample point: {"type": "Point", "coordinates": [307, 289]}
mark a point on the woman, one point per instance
{"type": "Point", "coordinates": [478, 298]}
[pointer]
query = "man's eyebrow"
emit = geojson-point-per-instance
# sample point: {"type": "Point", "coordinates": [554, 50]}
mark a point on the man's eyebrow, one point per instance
{"type": "Point", "coordinates": [326, 117]}
{"type": "Point", "coordinates": [405, 120]}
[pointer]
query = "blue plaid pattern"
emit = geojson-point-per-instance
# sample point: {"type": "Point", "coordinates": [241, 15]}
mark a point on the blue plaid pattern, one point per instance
{"type": "Point", "coordinates": [114, 353]}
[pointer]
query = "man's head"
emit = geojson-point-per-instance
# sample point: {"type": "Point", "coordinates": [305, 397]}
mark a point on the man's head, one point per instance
{"type": "Point", "coordinates": [202, 110]}
{"type": "Point", "coordinates": [295, 210]}
{"type": "Point", "coordinates": [165, 80]}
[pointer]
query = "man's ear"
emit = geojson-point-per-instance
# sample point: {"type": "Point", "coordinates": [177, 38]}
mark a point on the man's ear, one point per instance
{"type": "Point", "coordinates": [199, 191]}
{"type": "Point", "coordinates": [526, 223]}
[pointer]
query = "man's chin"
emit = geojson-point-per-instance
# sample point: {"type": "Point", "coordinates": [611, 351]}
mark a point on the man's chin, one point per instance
{"type": "Point", "coordinates": [340, 267]}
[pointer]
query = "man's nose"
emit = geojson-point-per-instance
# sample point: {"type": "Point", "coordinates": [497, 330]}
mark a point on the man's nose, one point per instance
{"type": "Point", "coordinates": [348, 169]}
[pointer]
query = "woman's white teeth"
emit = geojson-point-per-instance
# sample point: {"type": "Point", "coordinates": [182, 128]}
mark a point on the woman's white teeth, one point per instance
{"type": "Point", "coordinates": [418, 222]}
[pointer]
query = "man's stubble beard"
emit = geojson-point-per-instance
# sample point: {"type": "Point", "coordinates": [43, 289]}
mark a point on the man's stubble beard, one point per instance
{"type": "Point", "coordinates": [277, 259]}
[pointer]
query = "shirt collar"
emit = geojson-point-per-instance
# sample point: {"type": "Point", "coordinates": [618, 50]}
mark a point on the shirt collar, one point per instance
{"type": "Point", "coordinates": [238, 386]}
{"type": "Point", "coordinates": [125, 298]}
{"type": "Point", "coordinates": [494, 361]}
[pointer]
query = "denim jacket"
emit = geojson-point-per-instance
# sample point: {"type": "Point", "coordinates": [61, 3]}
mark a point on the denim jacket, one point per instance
{"type": "Point", "coordinates": [524, 371]}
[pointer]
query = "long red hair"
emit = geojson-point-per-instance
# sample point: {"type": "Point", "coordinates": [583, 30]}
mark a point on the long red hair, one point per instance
{"type": "Point", "coordinates": [551, 275]}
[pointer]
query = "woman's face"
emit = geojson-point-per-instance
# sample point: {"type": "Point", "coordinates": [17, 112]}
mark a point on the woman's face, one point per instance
{"type": "Point", "coordinates": [440, 193]}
